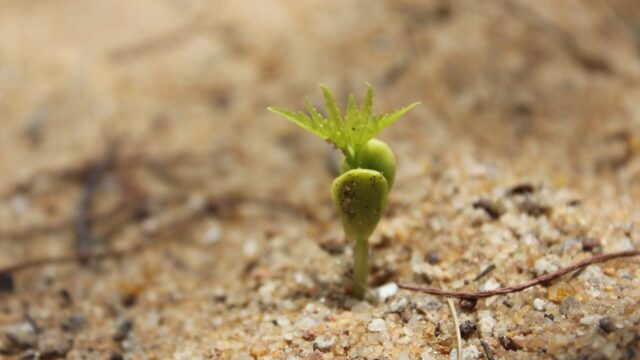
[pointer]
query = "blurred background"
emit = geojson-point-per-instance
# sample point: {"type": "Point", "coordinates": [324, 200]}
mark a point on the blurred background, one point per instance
{"type": "Point", "coordinates": [138, 108]}
{"type": "Point", "coordinates": [507, 78]}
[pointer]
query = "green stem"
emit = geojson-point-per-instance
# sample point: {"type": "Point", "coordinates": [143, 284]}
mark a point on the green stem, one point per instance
{"type": "Point", "coordinates": [360, 267]}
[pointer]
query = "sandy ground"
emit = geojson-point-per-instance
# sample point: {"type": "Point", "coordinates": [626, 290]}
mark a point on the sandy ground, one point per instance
{"type": "Point", "coordinates": [141, 127]}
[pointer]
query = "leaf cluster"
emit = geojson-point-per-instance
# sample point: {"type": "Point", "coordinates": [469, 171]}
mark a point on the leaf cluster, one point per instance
{"type": "Point", "coordinates": [348, 131]}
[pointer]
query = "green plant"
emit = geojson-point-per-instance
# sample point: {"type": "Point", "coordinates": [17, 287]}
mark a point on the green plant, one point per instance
{"type": "Point", "coordinates": [367, 172]}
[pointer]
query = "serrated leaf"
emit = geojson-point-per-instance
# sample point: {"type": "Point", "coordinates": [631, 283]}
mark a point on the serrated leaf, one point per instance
{"type": "Point", "coordinates": [389, 119]}
{"type": "Point", "coordinates": [349, 133]}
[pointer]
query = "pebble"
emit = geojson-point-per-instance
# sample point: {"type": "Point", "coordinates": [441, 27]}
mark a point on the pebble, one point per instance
{"type": "Point", "coordinates": [467, 328]}
{"type": "Point", "coordinates": [74, 323]}
{"type": "Point", "coordinates": [212, 234]}
{"type": "Point", "coordinates": [288, 337]}
{"type": "Point", "coordinates": [361, 307]}
{"type": "Point", "coordinates": [607, 325]}
{"type": "Point", "coordinates": [568, 305]}
{"type": "Point", "coordinates": [52, 344]}
{"type": "Point", "coordinates": [428, 303]}
{"type": "Point", "coordinates": [377, 325]}
{"type": "Point", "coordinates": [560, 292]}
{"type": "Point", "coordinates": [116, 356]}
{"type": "Point", "coordinates": [486, 323]}
{"type": "Point", "coordinates": [590, 243]}
{"type": "Point", "coordinates": [590, 319]}
{"type": "Point", "coordinates": [259, 349]}
{"type": "Point", "coordinates": [324, 342]}
{"type": "Point", "coordinates": [494, 210]}
{"type": "Point", "coordinates": [538, 304]}
{"type": "Point", "coordinates": [399, 304]}
{"type": "Point", "coordinates": [468, 305]}
{"type": "Point", "coordinates": [509, 344]}
{"type": "Point", "coordinates": [489, 285]}
{"type": "Point", "coordinates": [30, 355]}
{"type": "Point", "coordinates": [468, 353]}
{"type": "Point", "coordinates": [544, 266]}
{"type": "Point", "coordinates": [123, 328]}
{"type": "Point", "coordinates": [386, 291]}
{"type": "Point", "coordinates": [433, 257]}
{"type": "Point", "coordinates": [22, 335]}
{"type": "Point", "coordinates": [306, 323]}
{"type": "Point", "coordinates": [427, 355]}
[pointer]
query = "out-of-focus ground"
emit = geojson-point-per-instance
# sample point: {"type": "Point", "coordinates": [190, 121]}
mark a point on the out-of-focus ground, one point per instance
{"type": "Point", "coordinates": [153, 112]}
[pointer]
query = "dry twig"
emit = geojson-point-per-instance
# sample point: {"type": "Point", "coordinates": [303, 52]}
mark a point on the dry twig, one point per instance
{"type": "Point", "coordinates": [527, 284]}
{"type": "Point", "coordinates": [82, 218]}
{"type": "Point", "coordinates": [456, 323]}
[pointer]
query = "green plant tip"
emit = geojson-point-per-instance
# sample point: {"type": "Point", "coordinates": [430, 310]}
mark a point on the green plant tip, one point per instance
{"type": "Point", "coordinates": [360, 197]}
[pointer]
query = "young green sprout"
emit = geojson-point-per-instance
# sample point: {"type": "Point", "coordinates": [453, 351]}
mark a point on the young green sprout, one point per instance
{"type": "Point", "coordinates": [367, 171]}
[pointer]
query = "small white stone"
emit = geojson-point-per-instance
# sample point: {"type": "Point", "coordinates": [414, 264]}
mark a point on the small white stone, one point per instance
{"type": "Point", "coordinates": [325, 342]}
{"type": "Point", "coordinates": [361, 307]}
{"type": "Point", "coordinates": [212, 235]}
{"type": "Point", "coordinates": [399, 304]}
{"type": "Point", "coordinates": [250, 248]}
{"type": "Point", "coordinates": [590, 320]}
{"type": "Point", "coordinates": [427, 355]}
{"type": "Point", "coordinates": [386, 291]}
{"type": "Point", "coordinates": [282, 321]}
{"type": "Point", "coordinates": [305, 323]}
{"type": "Point", "coordinates": [538, 304]}
{"type": "Point", "coordinates": [489, 285]}
{"type": "Point", "coordinates": [20, 204]}
{"type": "Point", "coordinates": [486, 323]}
{"type": "Point", "coordinates": [468, 353]}
{"type": "Point", "coordinates": [544, 266]}
{"type": "Point", "coordinates": [377, 325]}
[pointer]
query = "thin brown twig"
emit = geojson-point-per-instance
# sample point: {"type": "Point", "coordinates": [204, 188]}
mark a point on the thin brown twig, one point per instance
{"type": "Point", "coordinates": [83, 225]}
{"type": "Point", "coordinates": [527, 284]}
{"type": "Point", "coordinates": [485, 272]}
{"type": "Point", "coordinates": [488, 353]}
{"type": "Point", "coordinates": [35, 263]}
{"type": "Point", "coordinates": [213, 204]}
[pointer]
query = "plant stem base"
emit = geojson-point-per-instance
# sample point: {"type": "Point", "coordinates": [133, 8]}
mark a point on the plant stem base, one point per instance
{"type": "Point", "coordinates": [360, 267]}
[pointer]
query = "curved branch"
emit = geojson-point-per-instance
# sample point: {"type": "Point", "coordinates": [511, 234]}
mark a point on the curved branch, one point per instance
{"type": "Point", "coordinates": [527, 284]}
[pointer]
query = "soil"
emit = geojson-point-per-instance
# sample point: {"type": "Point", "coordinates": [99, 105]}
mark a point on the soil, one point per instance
{"type": "Point", "coordinates": [140, 129]}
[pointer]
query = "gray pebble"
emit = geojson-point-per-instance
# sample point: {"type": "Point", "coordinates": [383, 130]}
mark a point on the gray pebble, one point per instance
{"type": "Point", "coordinates": [607, 325]}
{"type": "Point", "coordinates": [324, 343]}
{"type": "Point", "coordinates": [568, 305]}
{"type": "Point", "coordinates": [53, 344]}
{"type": "Point", "coordinates": [399, 304]}
{"type": "Point", "coordinates": [467, 328]}
{"type": "Point", "coordinates": [123, 328]}
{"type": "Point", "coordinates": [30, 355]}
{"type": "Point", "coordinates": [74, 323]}
{"type": "Point", "coordinates": [22, 335]}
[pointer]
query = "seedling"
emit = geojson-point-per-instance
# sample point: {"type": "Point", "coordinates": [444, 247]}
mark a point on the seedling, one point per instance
{"type": "Point", "coordinates": [367, 171]}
